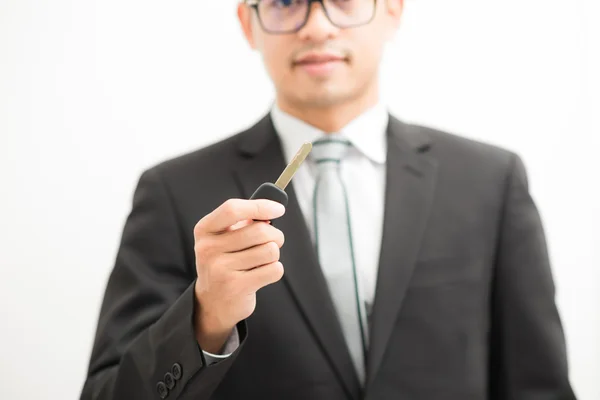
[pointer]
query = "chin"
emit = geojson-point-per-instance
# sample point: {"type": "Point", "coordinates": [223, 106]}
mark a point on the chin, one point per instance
{"type": "Point", "coordinates": [323, 90]}
{"type": "Point", "coordinates": [324, 98]}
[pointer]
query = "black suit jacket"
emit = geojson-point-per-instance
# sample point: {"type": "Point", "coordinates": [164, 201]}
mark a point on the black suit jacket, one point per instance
{"type": "Point", "coordinates": [464, 305]}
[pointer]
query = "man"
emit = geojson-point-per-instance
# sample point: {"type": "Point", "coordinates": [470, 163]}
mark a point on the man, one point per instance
{"type": "Point", "coordinates": [415, 261]}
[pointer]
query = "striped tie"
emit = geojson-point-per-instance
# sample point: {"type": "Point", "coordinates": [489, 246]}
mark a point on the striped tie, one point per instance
{"type": "Point", "coordinates": [334, 246]}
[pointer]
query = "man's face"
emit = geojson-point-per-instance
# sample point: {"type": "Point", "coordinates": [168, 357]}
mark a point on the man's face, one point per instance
{"type": "Point", "coordinates": [322, 65]}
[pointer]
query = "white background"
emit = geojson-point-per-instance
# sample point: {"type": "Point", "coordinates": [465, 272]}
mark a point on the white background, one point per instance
{"type": "Point", "coordinates": [92, 92]}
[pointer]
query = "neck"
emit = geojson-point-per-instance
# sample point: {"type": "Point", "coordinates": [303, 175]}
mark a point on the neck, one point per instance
{"type": "Point", "coordinates": [331, 118]}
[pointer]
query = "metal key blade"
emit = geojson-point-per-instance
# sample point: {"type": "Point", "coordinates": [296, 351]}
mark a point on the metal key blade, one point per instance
{"type": "Point", "coordinates": [289, 171]}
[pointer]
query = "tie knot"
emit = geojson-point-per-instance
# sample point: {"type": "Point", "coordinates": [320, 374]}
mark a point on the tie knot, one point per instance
{"type": "Point", "coordinates": [329, 150]}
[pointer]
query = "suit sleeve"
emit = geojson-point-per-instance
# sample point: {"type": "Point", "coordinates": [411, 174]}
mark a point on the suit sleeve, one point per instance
{"type": "Point", "coordinates": [145, 345]}
{"type": "Point", "coordinates": [528, 358]}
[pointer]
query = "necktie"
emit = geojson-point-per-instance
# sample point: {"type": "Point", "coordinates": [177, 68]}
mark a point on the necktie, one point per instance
{"type": "Point", "coordinates": [334, 246]}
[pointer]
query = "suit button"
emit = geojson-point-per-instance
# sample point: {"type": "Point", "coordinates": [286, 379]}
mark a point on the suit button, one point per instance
{"type": "Point", "coordinates": [162, 390]}
{"type": "Point", "coordinates": [169, 380]}
{"type": "Point", "coordinates": [177, 372]}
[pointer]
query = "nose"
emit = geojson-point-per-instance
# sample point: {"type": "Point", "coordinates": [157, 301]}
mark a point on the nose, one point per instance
{"type": "Point", "coordinates": [318, 28]}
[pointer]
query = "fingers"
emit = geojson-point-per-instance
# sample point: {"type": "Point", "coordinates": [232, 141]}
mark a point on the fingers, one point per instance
{"type": "Point", "coordinates": [207, 247]}
{"type": "Point", "coordinates": [264, 275]}
{"type": "Point", "coordinates": [255, 234]}
{"type": "Point", "coordinates": [253, 257]}
{"type": "Point", "coordinates": [235, 210]}
{"type": "Point", "coordinates": [239, 225]}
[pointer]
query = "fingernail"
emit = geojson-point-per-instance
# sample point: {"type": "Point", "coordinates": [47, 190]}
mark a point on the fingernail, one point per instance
{"type": "Point", "coordinates": [278, 208]}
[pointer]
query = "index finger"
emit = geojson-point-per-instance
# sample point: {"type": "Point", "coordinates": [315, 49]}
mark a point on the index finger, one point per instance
{"type": "Point", "coordinates": [235, 210]}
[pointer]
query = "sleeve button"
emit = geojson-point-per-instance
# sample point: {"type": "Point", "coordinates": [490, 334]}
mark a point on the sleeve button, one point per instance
{"type": "Point", "coordinates": [169, 380]}
{"type": "Point", "coordinates": [176, 371]}
{"type": "Point", "coordinates": [162, 390]}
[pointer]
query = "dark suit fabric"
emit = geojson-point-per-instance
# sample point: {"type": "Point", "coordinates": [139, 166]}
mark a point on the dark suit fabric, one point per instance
{"type": "Point", "coordinates": [464, 305]}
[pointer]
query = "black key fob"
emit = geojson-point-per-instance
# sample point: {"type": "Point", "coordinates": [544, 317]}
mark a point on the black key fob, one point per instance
{"type": "Point", "coordinates": [269, 191]}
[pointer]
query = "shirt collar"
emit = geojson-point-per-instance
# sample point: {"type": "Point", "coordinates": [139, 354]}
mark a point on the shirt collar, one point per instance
{"type": "Point", "coordinates": [367, 132]}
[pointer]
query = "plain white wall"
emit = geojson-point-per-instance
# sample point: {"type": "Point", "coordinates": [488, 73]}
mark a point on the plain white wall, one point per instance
{"type": "Point", "coordinates": [92, 92]}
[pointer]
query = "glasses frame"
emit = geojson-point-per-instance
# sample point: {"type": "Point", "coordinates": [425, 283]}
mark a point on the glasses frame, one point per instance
{"type": "Point", "coordinates": [255, 3]}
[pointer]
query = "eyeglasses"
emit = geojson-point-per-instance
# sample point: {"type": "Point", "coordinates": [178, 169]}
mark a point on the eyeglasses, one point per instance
{"type": "Point", "coordinates": [289, 16]}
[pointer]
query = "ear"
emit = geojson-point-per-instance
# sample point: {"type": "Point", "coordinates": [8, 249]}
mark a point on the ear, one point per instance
{"type": "Point", "coordinates": [245, 17]}
{"type": "Point", "coordinates": [395, 9]}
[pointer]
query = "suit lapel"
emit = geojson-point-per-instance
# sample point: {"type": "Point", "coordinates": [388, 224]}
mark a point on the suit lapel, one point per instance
{"type": "Point", "coordinates": [262, 161]}
{"type": "Point", "coordinates": [410, 180]}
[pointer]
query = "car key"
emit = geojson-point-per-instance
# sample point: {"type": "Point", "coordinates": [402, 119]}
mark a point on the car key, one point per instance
{"type": "Point", "coordinates": [276, 191]}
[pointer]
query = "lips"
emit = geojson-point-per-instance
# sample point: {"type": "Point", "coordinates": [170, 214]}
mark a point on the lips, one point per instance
{"type": "Point", "coordinates": [320, 65]}
{"type": "Point", "coordinates": [318, 58]}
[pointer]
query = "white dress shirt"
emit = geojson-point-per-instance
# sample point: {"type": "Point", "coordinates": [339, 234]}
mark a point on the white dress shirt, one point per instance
{"type": "Point", "coordinates": [363, 173]}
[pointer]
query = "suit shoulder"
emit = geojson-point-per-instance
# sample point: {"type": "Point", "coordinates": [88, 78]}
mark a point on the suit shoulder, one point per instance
{"type": "Point", "coordinates": [203, 161]}
{"type": "Point", "coordinates": [451, 146]}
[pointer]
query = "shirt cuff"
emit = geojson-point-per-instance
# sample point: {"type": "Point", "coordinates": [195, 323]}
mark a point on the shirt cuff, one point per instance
{"type": "Point", "coordinates": [231, 345]}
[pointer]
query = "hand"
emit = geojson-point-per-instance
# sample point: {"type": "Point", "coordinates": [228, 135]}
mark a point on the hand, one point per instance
{"type": "Point", "coordinates": [235, 257]}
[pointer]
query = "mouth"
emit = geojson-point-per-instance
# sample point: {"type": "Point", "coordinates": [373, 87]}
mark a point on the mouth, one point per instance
{"type": "Point", "coordinates": [320, 64]}
{"type": "Point", "coordinates": [319, 58]}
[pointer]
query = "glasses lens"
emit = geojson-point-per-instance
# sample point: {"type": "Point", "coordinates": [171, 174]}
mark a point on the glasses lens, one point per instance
{"type": "Point", "coordinates": [348, 13]}
{"type": "Point", "coordinates": [282, 15]}
{"type": "Point", "coordinates": [290, 15]}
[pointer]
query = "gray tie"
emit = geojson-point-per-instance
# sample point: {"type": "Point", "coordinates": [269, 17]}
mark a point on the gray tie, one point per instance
{"type": "Point", "coordinates": [334, 246]}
